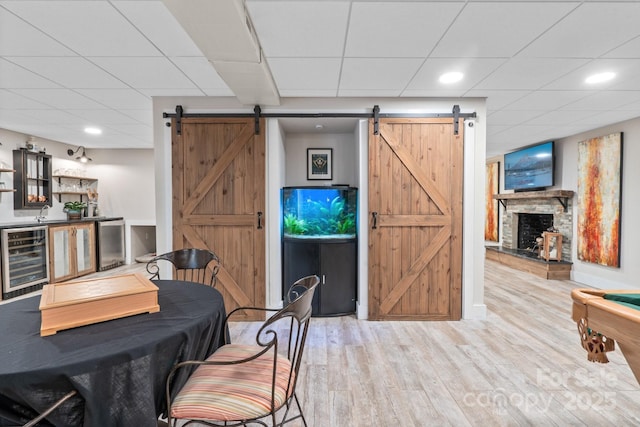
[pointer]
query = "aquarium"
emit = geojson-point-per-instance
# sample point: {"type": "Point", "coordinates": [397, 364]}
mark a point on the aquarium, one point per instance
{"type": "Point", "coordinates": [319, 212]}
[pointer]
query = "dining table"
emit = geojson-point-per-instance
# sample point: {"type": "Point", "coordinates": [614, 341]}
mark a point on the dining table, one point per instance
{"type": "Point", "coordinates": [118, 367]}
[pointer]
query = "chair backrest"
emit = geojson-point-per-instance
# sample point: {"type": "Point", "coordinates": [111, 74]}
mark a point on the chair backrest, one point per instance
{"type": "Point", "coordinates": [191, 264]}
{"type": "Point", "coordinates": [298, 309]}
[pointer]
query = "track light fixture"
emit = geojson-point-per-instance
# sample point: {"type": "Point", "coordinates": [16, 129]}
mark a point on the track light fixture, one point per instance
{"type": "Point", "coordinates": [83, 157]}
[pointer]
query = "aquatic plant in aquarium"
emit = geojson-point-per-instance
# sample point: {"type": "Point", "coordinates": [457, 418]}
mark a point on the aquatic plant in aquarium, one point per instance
{"type": "Point", "coordinates": [321, 212]}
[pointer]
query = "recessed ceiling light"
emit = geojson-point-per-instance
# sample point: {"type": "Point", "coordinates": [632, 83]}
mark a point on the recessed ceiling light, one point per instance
{"type": "Point", "coordinates": [452, 77]}
{"type": "Point", "coordinates": [319, 126]}
{"type": "Point", "coordinates": [600, 77]}
{"type": "Point", "coordinates": [93, 131]}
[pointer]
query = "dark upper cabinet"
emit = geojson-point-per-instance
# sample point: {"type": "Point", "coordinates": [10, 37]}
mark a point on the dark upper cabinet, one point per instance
{"type": "Point", "coordinates": [32, 179]}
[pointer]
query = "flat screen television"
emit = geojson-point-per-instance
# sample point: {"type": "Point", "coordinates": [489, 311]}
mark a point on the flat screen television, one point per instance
{"type": "Point", "coordinates": [530, 168]}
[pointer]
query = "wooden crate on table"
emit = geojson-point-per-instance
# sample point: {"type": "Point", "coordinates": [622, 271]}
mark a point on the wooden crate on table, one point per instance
{"type": "Point", "coordinates": [71, 304]}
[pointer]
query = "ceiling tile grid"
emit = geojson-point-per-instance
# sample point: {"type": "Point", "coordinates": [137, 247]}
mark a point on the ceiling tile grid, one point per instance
{"type": "Point", "coordinates": [67, 64]}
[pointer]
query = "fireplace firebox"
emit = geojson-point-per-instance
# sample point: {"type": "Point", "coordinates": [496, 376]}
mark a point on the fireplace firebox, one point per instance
{"type": "Point", "coordinates": [530, 227]}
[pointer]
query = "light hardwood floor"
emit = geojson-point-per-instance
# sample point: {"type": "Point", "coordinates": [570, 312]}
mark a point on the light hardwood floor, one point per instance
{"type": "Point", "coordinates": [522, 366]}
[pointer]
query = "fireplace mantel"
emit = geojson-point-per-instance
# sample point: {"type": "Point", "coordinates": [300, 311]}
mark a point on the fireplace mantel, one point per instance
{"type": "Point", "coordinates": [560, 195]}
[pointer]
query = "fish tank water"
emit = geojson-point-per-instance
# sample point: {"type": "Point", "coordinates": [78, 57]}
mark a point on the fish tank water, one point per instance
{"type": "Point", "coordinates": [319, 212]}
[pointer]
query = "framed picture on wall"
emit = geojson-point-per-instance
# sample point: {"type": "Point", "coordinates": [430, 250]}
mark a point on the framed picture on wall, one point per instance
{"type": "Point", "coordinates": [319, 163]}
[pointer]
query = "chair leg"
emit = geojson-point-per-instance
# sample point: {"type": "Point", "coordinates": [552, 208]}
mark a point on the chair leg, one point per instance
{"type": "Point", "coordinates": [286, 412]}
{"type": "Point", "coordinates": [304, 421]}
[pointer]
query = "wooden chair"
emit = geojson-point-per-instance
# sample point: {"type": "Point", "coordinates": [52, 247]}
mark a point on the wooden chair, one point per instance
{"type": "Point", "coordinates": [41, 417]}
{"type": "Point", "coordinates": [240, 384]}
{"type": "Point", "coordinates": [193, 265]}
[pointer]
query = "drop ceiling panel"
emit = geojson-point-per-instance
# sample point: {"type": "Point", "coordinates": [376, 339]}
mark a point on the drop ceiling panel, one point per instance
{"type": "Point", "coordinates": [474, 70]}
{"type": "Point", "coordinates": [200, 71]}
{"type": "Point", "coordinates": [497, 99]}
{"type": "Point", "coordinates": [557, 118]}
{"type": "Point", "coordinates": [607, 100]}
{"type": "Point", "coordinates": [217, 91]}
{"type": "Point", "coordinates": [105, 117]}
{"type": "Point", "coordinates": [46, 131]}
{"type": "Point", "coordinates": [634, 106]}
{"type": "Point", "coordinates": [517, 137]}
{"type": "Point", "coordinates": [589, 32]}
{"type": "Point", "coordinates": [627, 50]}
{"type": "Point", "coordinates": [493, 129]}
{"type": "Point", "coordinates": [511, 117]}
{"type": "Point", "coordinates": [82, 25]}
{"type": "Point", "coordinates": [157, 24]}
{"type": "Point", "coordinates": [397, 29]}
{"type": "Point", "coordinates": [59, 98]}
{"type": "Point", "coordinates": [14, 76]}
{"type": "Point", "coordinates": [54, 117]}
{"type": "Point", "coordinates": [528, 58]}
{"type": "Point", "coordinates": [499, 29]}
{"type": "Point", "coordinates": [529, 73]}
{"type": "Point", "coordinates": [140, 116]}
{"type": "Point", "coordinates": [162, 91]}
{"type": "Point", "coordinates": [300, 29]}
{"type": "Point", "coordinates": [629, 84]}
{"type": "Point", "coordinates": [70, 72]}
{"type": "Point", "coordinates": [604, 119]}
{"type": "Point", "coordinates": [13, 119]}
{"type": "Point", "coordinates": [306, 73]}
{"type": "Point", "coordinates": [118, 98]}
{"type": "Point", "coordinates": [32, 41]}
{"type": "Point", "coordinates": [627, 72]}
{"type": "Point", "coordinates": [145, 72]}
{"type": "Point", "coordinates": [377, 74]}
{"type": "Point", "coordinates": [547, 100]}
{"type": "Point", "coordinates": [137, 130]}
{"type": "Point", "coordinates": [13, 101]}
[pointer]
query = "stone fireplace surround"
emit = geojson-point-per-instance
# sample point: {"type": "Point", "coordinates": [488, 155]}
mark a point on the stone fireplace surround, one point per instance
{"type": "Point", "coordinates": [538, 202]}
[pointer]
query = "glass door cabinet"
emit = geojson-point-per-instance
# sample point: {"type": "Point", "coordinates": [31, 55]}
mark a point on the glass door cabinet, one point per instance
{"type": "Point", "coordinates": [72, 251]}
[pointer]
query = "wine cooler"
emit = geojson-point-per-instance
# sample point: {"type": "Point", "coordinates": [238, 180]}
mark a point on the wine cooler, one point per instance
{"type": "Point", "coordinates": [25, 260]}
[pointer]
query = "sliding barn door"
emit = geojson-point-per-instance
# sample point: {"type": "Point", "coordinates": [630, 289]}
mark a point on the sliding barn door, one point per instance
{"type": "Point", "coordinates": [218, 175]}
{"type": "Point", "coordinates": [415, 220]}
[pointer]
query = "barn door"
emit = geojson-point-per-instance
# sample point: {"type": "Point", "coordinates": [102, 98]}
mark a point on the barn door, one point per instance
{"type": "Point", "coordinates": [415, 219]}
{"type": "Point", "coordinates": [218, 176]}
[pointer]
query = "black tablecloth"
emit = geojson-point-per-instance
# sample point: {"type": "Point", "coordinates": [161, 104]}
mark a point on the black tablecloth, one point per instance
{"type": "Point", "coordinates": [119, 367]}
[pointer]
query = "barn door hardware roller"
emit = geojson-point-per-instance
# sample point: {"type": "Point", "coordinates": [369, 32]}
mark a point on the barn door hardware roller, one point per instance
{"type": "Point", "coordinates": [456, 116]}
{"type": "Point", "coordinates": [256, 117]}
{"type": "Point", "coordinates": [376, 120]}
{"type": "Point", "coordinates": [178, 116]}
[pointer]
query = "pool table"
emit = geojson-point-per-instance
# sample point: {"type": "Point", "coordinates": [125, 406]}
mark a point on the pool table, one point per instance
{"type": "Point", "coordinates": [606, 317]}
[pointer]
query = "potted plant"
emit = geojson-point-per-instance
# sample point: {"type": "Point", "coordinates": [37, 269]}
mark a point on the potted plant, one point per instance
{"type": "Point", "coordinates": [74, 209]}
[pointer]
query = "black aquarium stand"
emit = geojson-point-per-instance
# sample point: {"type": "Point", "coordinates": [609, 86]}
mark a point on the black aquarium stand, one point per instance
{"type": "Point", "coordinates": [334, 261]}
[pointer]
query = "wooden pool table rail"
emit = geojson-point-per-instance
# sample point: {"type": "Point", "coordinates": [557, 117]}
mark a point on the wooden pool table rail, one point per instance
{"type": "Point", "coordinates": [615, 321]}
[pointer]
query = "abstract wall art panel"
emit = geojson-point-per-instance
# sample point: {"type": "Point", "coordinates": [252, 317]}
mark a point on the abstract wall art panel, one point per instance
{"type": "Point", "coordinates": [491, 205]}
{"type": "Point", "coordinates": [599, 198]}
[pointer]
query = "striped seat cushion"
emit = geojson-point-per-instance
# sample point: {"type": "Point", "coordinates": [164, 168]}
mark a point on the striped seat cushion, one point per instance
{"type": "Point", "coordinates": [233, 392]}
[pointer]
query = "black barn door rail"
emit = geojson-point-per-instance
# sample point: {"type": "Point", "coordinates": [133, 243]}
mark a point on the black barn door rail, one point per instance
{"type": "Point", "coordinates": [375, 115]}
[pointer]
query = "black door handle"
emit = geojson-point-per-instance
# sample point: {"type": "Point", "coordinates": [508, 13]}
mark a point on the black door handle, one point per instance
{"type": "Point", "coordinates": [259, 220]}
{"type": "Point", "coordinates": [375, 220]}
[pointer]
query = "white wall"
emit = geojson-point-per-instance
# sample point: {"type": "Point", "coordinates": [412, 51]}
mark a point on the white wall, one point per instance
{"type": "Point", "coordinates": [567, 179]}
{"type": "Point", "coordinates": [275, 180]}
{"type": "Point", "coordinates": [362, 156]}
{"type": "Point", "coordinates": [344, 158]}
{"type": "Point", "coordinates": [125, 186]}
